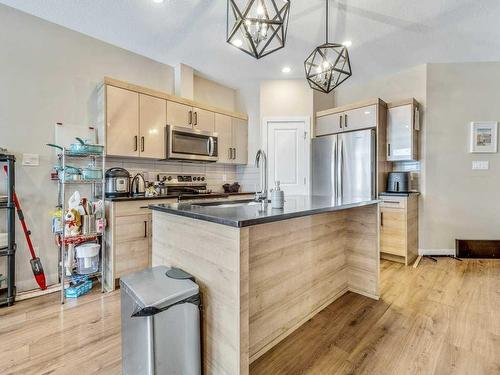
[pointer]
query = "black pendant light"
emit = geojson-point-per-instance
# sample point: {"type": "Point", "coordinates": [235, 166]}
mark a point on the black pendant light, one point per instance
{"type": "Point", "coordinates": [257, 27]}
{"type": "Point", "coordinates": [328, 65]}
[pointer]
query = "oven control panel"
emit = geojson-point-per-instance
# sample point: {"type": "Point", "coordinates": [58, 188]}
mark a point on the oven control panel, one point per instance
{"type": "Point", "coordinates": [182, 179]}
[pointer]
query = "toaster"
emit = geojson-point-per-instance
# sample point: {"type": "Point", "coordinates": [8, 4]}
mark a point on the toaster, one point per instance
{"type": "Point", "coordinates": [398, 182]}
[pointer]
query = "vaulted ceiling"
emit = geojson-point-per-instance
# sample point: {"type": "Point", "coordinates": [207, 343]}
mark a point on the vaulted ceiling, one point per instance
{"type": "Point", "coordinates": [387, 35]}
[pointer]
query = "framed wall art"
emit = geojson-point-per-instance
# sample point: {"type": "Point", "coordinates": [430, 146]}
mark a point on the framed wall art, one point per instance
{"type": "Point", "coordinates": [483, 136]}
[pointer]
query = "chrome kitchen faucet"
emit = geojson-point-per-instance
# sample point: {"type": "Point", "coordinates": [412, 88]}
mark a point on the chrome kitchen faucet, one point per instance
{"type": "Point", "coordinates": [262, 195]}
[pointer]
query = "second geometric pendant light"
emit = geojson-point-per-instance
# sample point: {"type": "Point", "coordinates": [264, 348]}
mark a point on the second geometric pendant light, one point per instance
{"type": "Point", "coordinates": [328, 65]}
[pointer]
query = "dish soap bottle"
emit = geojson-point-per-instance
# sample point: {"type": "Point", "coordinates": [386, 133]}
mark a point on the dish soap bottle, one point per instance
{"type": "Point", "coordinates": [277, 196]}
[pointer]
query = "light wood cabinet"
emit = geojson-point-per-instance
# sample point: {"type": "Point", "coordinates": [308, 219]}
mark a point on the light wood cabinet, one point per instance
{"type": "Point", "coordinates": [122, 125]}
{"type": "Point", "coordinates": [135, 125]}
{"type": "Point", "coordinates": [128, 237]}
{"type": "Point", "coordinates": [240, 141]}
{"type": "Point", "coordinates": [190, 117]}
{"type": "Point", "coordinates": [399, 228]}
{"type": "Point", "coordinates": [179, 114]}
{"type": "Point", "coordinates": [232, 139]}
{"type": "Point", "coordinates": [346, 120]}
{"type": "Point", "coordinates": [223, 128]}
{"type": "Point", "coordinates": [403, 130]}
{"type": "Point", "coordinates": [135, 118]}
{"type": "Point", "coordinates": [152, 123]}
{"type": "Point", "coordinates": [360, 118]}
{"type": "Point", "coordinates": [203, 120]}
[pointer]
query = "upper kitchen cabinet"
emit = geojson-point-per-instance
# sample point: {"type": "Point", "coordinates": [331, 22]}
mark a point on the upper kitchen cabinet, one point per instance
{"type": "Point", "coordinates": [203, 120]}
{"type": "Point", "coordinates": [347, 118]}
{"type": "Point", "coordinates": [224, 130]}
{"type": "Point", "coordinates": [232, 135]}
{"type": "Point", "coordinates": [152, 122]}
{"type": "Point", "coordinates": [191, 117]}
{"type": "Point", "coordinates": [179, 114]}
{"type": "Point", "coordinates": [402, 130]}
{"type": "Point", "coordinates": [135, 120]}
{"type": "Point", "coordinates": [122, 122]}
{"type": "Point", "coordinates": [240, 141]}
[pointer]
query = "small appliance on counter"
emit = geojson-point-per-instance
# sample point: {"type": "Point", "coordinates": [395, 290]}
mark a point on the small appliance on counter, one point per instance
{"type": "Point", "coordinates": [138, 186]}
{"type": "Point", "coordinates": [231, 188]}
{"type": "Point", "coordinates": [398, 182]}
{"type": "Point", "coordinates": [117, 183]}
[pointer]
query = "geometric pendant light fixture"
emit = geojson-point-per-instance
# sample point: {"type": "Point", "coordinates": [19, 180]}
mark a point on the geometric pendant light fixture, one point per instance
{"type": "Point", "coordinates": [257, 27]}
{"type": "Point", "coordinates": [328, 65]}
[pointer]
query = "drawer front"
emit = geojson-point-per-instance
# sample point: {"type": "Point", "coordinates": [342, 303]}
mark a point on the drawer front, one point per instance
{"type": "Point", "coordinates": [138, 207]}
{"type": "Point", "coordinates": [393, 202]}
{"type": "Point", "coordinates": [131, 228]}
{"type": "Point", "coordinates": [131, 256]}
{"type": "Point", "coordinates": [393, 231]}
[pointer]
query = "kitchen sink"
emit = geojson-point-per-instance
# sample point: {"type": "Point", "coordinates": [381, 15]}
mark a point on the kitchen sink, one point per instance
{"type": "Point", "coordinates": [225, 204]}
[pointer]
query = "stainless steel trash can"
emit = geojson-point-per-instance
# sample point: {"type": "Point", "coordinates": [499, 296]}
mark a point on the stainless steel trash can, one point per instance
{"type": "Point", "coordinates": [160, 318]}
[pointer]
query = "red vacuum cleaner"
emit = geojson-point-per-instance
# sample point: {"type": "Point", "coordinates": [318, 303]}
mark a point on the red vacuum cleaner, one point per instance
{"type": "Point", "coordinates": [36, 264]}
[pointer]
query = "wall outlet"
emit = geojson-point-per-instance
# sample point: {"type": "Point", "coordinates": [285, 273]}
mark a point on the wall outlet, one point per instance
{"type": "Point", "coordinates": [480, 165]}
{"type": "Point", "coordinates": [31, 160]}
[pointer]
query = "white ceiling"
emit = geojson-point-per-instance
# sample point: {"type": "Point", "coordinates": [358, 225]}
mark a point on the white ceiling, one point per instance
{"type": "Point", "coordinates": [387, 35]}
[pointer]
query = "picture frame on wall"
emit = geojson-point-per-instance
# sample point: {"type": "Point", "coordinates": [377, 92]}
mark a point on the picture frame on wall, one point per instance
{"type": "Point", "coordinates": [483, 136]}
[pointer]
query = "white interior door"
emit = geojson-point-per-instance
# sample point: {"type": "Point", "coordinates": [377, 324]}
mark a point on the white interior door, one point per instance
{"type": "Point", "coordinates": [288, 151]}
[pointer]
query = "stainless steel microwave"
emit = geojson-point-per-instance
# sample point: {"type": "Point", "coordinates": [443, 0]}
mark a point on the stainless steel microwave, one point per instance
{"type": "Point", "coordinates": [191, 144]}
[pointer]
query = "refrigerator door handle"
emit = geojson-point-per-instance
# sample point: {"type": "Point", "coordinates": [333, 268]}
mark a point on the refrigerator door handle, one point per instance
{"type": "Point", "coordinates": [340, 169]}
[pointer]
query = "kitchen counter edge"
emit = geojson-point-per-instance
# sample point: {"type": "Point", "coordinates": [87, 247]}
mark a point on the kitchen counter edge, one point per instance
{"type": "Point", "coordinates": [171, 209]}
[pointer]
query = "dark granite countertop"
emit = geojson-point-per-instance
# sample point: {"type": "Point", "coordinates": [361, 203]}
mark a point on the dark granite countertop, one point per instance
{"type": "Point", "coordinates": [398, 194]}
{"type": "Point", "coordinates": [185, 196]}
{"type": "Point", "coordinates": [245, 215]}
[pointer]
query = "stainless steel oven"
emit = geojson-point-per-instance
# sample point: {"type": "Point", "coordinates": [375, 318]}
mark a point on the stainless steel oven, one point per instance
{"type": "Point", "coordinates": [191, 144]}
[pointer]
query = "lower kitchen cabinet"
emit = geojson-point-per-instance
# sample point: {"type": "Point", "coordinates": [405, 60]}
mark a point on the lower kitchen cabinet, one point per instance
{"type": "Point", "coordinates": [399, 228]}
{"type": "Point", "coordinates": [128, 238]}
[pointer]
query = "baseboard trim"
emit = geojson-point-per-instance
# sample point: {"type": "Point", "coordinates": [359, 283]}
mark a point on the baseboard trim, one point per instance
{"type": "Point", "coordinates": [436, 252]}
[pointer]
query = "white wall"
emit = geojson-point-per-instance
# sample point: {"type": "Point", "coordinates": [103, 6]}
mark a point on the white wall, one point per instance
{"type": "Point", "coordinates": [214, 94]}
{"type": "Point", "coordinates": [460, 202]}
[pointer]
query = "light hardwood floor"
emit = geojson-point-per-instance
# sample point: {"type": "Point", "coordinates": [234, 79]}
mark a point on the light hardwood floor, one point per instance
{"type": "Point", "coordinates": [441, 318]}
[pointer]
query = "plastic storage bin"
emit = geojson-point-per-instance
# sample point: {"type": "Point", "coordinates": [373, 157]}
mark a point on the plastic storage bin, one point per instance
{"type": "Point", "coordinates": [160, 316]}
{"type": "Point", "coordinates": [87, 258]}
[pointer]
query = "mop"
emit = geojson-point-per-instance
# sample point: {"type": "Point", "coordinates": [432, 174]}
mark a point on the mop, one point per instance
{"type": "Point", "coordinates": [36, 264]}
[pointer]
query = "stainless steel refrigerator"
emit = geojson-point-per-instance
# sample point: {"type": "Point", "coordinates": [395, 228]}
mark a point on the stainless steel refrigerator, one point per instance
{"type": "Point", "coordinates": [344, 166]}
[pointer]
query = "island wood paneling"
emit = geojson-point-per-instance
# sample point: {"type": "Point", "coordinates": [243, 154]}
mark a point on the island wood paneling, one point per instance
{"type": "Point", "coordinates": [362, 250]}
{"type": "Point", "coordinates": [296, 268]}
{"type": "Point", "coordinates": [211, 252]}
{"type": "Point", "coordinates": [261, 283]}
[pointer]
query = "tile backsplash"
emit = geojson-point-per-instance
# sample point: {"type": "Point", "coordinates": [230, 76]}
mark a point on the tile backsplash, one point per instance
{"type": "Point", "coordinates": [217, 174]}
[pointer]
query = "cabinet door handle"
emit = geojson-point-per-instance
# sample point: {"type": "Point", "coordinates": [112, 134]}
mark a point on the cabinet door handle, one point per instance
{"type": "Point", "coordinates": [345, 120]}
{"type": "Point", "coordinates": [381, 219]}
{"type": "Point", "coordinates": [234, 153]}
{"type": "Point", "coordinates": [195, 118]}
{"type": "Point", "coordinates": [190, 116]}
{"type": "Point", "coordinates": [135, 143]}
{"type": "Point", "coordinates": [391, 202]}
{"type": "Point", "coordinates": [388, 149]}
{"type": "Point", "coordinates": [145, 228]}
{"type": "Point", "coordinates": [340, 121]}
{"type": "Point", "coordinates": [142, 144]}
{"type": "Point", "coordinates": [230, 152]}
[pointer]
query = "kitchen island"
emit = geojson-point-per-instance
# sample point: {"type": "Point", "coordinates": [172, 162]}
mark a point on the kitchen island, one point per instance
{"type": "Point", "coordinates": [264, 272]}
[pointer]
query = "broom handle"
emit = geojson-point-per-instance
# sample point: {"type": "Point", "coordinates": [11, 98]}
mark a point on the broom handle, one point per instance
{"type": "Point", "coordinates": [23, 223]}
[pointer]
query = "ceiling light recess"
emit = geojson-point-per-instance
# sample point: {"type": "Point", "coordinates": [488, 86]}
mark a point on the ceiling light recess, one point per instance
{"type": "Point", "coordinates": [328, 65]}
{"type": "Point", "coordinates": [257, 27]}
{"type": "Point", "coordinates": [286, 69]}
